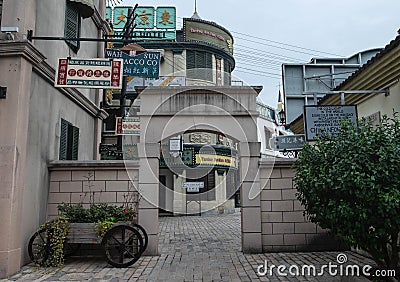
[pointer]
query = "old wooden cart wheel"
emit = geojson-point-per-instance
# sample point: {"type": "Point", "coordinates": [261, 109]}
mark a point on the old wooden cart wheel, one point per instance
{"type": "Point", "coordinates": [122, 245]}
{"type": "Point", "coordinates": [143, 233]}
{"type": "Point", "coordinates": [39, 248]}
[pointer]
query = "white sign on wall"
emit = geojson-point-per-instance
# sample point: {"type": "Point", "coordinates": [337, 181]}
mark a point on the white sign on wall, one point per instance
{"type": "Point", "coordinates": [193, 187]}
{"type": "Point", "coordinates": [326, 120]}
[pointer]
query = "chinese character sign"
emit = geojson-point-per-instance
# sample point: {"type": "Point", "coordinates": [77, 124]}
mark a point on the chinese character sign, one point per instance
{"type": "Point", "coordinates": [145, 17]}
{"type": "Point", "coordinates": [89, 73]}
{"type": "Point", "coordinates": [120, 17]}
{"type": "Point", "coordinates": [166, 18]}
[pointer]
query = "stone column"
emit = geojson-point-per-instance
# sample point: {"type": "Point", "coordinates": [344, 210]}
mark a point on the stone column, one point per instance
{"type": "Point", "coordinates": [179, 206]}
{"type": "Point", "coordinates": [250, 197]}
{"type": "Point", "coordinates": [149, 154]}
{"type": "Point", "coordinates": [14, 118]}
{"type": "Point", "coordinates": [220, 186]}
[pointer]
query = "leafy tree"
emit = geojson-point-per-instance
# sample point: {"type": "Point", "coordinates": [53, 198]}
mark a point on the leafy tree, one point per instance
{"type": "Point", "coordinates": [350, 184]}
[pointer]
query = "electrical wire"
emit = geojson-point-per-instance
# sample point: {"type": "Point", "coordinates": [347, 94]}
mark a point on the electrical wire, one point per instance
{"type": "Point", "coordinates": [284, 44]}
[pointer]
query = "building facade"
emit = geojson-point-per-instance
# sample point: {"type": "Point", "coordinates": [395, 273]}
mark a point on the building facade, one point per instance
{"type": "Point", "coordinates": [41, 123]}
{"type": "Point", "coordinates": [200, 54]}
{"type": "Point", "coordinates": [380, 74]}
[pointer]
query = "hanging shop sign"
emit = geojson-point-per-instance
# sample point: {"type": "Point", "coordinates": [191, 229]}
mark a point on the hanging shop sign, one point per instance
{"type": "Point", "coordinates": [193, 187]}
{"type": "Point", "coordinates": [326, 120]}
{"type": "Point", "coordinates": [143, 65]}
{"type": "Point", "coordinates": [199, 30]}
{"type": "Point", "coordinates": [151, 23]}
{"type": "Point", "coordinates": [127, 126]}
{"type": "Point", "coordinates": [287, 142]}
{"type": "Point", "coordinates": [209, 159]}
{"type": "Point", "coordinates": [89, 73]}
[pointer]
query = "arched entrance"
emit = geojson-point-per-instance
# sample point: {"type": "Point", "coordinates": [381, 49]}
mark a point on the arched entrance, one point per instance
{"type": "Point", "coordinates": [170, 111]}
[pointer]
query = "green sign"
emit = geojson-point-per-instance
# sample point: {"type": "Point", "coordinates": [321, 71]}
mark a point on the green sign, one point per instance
{"type": "Point", "coordinates": [185, 159]}
{"type": "Point", "coordinates": [145, 17]}
{"type": "Point", "coordinates": [143, 65]}
{"type": "Point", "coordinates": [166, 18]}
{"type": "Point", "coordinates": [120, 17]}
{"type": "Point", "coordinates": [109, 14]}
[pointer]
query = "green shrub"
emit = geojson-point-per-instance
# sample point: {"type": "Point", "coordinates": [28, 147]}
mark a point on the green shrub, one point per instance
{"type": "Point", "coordinates": [350, 184]}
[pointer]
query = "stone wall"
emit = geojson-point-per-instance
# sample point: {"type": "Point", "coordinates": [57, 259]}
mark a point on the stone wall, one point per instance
{"type": "Point", "coordinates": [91, 182]}
{"type": "Point", "coordinates": [284, 227]}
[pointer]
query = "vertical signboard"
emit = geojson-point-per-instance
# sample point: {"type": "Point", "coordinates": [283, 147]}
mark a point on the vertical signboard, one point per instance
{"type": "Point", "coordinates": [218, 72]}
{"type": "Point", "coordinates": [326, 120]}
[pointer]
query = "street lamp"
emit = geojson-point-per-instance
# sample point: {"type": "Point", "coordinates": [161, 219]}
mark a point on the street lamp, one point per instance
{"type": "Point", "coordinates": [281, 118]}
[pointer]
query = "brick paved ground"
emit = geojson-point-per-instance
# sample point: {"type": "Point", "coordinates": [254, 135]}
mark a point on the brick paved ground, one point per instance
{"type": "Point", "coordinates": [203, 248]}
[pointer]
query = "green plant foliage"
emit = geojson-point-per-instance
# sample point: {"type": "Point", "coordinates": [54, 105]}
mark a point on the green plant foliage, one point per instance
{"type": "Point", "coordinates": [350, 184]}
{"type": "Point", "coordinates": [104, 225]}
{"type": "Point", "coordinates": [57, 231]}
{"type": "Point", "coordinates": [103, 214]}
{"type": "Point", "coordinates": [96, 212]}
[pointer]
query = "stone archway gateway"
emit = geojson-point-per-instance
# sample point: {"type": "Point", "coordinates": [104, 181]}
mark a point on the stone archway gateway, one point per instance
{"type": "Point", "coordinates": [169, 111]}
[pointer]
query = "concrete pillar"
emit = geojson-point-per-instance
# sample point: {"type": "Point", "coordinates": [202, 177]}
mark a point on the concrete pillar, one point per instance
{"type": "Point", "coordinates": [149, 154]}
{"type": "Point", "coordinates": [179, 206]}
{"type": "Point", "coordinates": [220, 186]}
{"type": "Point", "coordinates": [14, 118]}
{"type": "Point", "coordinates": [250, 197]}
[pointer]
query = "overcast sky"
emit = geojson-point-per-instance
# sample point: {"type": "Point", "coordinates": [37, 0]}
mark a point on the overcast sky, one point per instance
{"type": "Point", "coordinates": [267, 33]}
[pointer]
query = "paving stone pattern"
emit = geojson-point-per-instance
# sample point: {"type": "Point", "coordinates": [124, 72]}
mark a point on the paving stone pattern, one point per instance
{"type": "Point", "coordinates": [194, 248]}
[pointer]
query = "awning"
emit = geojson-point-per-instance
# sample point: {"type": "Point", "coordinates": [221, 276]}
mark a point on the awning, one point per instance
{"type": "Point", "coordinates": [86, 7]}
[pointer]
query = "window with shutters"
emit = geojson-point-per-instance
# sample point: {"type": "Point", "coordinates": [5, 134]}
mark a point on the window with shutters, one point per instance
{"type": "Point", "coordinates": [199, 65]}
{"type": "Point", "coordinates": [1, 10]}
{"type": "Point", "coordinates": [72, 25]}
{"type": "Point", "coordinates": [69, 141]}
{"type": "Point", "coordinates": [227, 73]}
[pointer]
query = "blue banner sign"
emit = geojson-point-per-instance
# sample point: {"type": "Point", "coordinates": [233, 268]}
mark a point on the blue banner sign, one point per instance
{"type": "Point", "coordinates": [143, 65]}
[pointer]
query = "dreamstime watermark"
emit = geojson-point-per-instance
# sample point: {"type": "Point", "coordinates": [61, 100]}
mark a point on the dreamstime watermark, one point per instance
{"type": "Point", "coordinates": [338, 268]}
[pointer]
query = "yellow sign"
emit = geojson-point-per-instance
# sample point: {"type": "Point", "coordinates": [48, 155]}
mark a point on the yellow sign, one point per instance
{"type": "Point", "coordinates": [208, 159]}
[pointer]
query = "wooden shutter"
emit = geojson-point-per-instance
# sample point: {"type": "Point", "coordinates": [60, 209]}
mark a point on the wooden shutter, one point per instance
{"type": "Point", "coordinates": [190, 59]}
{"type": "Point", "coordinates": [63, 140]}
{"type": "Point", "coordinates": [208, 66]}
{"type": "Point", "coordinates": [1, 9]}
{"type": "Point", "coordinates": [227, 73]}
{"type": "Point", "coordinates": [75, 143]}
{"type": "Point", "coordinates": [72, 25]}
